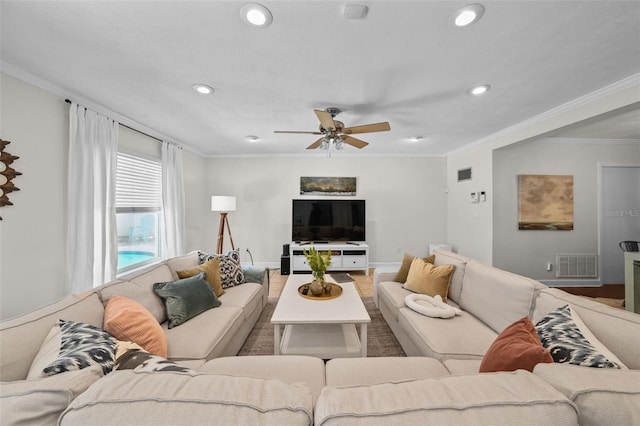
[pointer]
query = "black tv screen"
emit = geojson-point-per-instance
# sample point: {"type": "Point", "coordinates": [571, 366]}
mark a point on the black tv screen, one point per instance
{"type": "Point", "coordinates": [328, 220]}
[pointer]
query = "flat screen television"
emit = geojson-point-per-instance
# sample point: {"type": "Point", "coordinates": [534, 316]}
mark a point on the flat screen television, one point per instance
{"type": "Point", "coordinates": [328, 220]}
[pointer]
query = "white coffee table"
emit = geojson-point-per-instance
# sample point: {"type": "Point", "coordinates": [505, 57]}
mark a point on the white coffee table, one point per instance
{"type": "Point", "coordinates": [321, 328]}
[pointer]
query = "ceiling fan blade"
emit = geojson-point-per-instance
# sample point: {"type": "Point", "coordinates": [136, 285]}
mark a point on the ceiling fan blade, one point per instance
{"type": "Point", "coordinates": [325, 119]}
{"type": "Point", "coordinates": [297, 132]}
{"type": "Point", "coordinates": [368, 128]}
{"type": "Point", "coordinates": [354, 142]}
{"type": "Point", "coordinates": [315, 144]}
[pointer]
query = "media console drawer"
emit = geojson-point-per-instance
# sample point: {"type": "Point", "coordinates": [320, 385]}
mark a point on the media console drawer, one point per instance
{"type": "Point", "coordinates": [344, 257]}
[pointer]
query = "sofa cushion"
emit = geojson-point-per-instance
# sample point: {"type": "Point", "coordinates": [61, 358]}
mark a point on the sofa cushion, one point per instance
{"type": "Point", "coordinates": [371, 371]}
{"type": "Point", "coordinates": [462, 366]}
{"type": "Point", "coordinates": [246, 297]}
{"type": "Point", "coordinates": [424, 278]}
{"type": "Point", "coordinates": [444, 257]}
{"type": "Point", "coordinates": [603, 396]}
{"type": "Point", "coordinates": [617, 329]}
{"type": "Point", "coordinates": [462, 336]}
{"type": "Point", "coordinates": [231, 273]}
{"type": "Point", "coordinates": [179, 263]}
{"type": "Point", "coordinates": [22, 336]}
{"type": "Point", "coordinates": [290, 369]}
{"type": "Point", "coordinates": [403, 272]}
{"type": "Point", "coordinates": [139, 287]}
{"type": "Point", "coordinates": [211, 268]}
{"type": "Point", "coordinates": [211, 327]}
{"type": "Point", "coordinates": [559, 333]}
{"type": "Point", "coordinates": [73, 345]}
{"type": "Point", "coordinates": [41, 401]}
{"type": "Point", "coordinates": [125, 319]}
{"type": "Point", "coordinates": [507, 398]}
{"type": "Point", "coordinates": [517, 347]}
{"type": "Point", "coordinates": [496, 297]}
{"type": "Point", "coordinates": [131, 397]}
{"type": "Point", "coordinates": [186, 298]}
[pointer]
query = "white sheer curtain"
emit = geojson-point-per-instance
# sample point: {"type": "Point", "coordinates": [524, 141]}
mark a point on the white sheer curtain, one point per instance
{"type": "Point", "coordinates": [92, 253]}
{"type": "Point", "coordinates": [172, 199]}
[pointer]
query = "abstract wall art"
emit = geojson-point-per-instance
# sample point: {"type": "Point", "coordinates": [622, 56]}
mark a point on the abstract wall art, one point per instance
{"type": "Point", "coordinates": [545, 202]}
{"type": "Point", "coordinates": [327, 186]}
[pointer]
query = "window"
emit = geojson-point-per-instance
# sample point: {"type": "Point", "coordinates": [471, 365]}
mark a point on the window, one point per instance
{"type": "Point", "coordinates": [138, 211]}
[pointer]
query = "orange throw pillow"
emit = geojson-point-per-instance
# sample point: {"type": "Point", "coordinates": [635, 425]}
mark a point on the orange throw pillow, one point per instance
{"type": "Point", "coordinates": [128, 320]}
{"type": "Point", "coordinates": [516, 348]}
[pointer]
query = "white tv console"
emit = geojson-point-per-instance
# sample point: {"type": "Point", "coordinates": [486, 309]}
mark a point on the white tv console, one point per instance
{"type": "Point", "coordinates": [344, 256]}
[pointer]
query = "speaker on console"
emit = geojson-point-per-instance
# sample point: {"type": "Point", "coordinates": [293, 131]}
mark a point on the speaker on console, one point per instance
{"type": "Point", "coordinates": [285, 265]}
{"type": "Point", "coordinates": [285, 249]}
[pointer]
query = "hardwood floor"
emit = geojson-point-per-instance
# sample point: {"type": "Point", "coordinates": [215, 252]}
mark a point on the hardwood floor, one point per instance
{"type": "Point", "coordinates": [364, 283]}
{"type": "Point", "coordinates": [611, 291]}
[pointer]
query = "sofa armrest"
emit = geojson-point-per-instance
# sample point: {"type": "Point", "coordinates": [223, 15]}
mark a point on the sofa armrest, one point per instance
{"type": "Point", "coordinates": [602, 395]}
{"type": "Point", "coordinates": [382, 274]}
{"type": "Point", "coordinates": [260, 275]}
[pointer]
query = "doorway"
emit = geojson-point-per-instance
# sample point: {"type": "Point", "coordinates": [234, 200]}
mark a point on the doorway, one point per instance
{"type": "Point", "coordinates": [619, 217]}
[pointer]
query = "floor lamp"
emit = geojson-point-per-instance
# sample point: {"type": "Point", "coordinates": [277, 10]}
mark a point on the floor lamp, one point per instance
{"type": "Point", "coordinates": [223, 204]}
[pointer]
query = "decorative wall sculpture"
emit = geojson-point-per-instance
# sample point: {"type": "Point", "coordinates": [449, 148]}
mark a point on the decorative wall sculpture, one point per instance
{"type": "Point", "coordinates": [7, 173]}
{"type": "Point", "coordinates": [545, 202]}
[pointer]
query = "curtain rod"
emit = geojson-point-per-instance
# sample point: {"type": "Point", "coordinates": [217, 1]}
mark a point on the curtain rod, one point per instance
{"type": "Point", "coordinates": [130, 128]}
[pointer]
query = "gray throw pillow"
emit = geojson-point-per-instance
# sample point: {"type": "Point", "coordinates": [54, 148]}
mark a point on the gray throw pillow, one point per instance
{"type": "Point", "coordinates": [186, 298]}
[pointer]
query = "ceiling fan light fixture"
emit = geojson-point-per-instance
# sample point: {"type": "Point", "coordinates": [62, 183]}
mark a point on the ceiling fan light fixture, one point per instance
{"type": "Point", "coordinates": [479, 90]}
{"type": "Point", "coordinates": [468, 14]}
{"type": "Point", "coordinates": [256, 15]}
{"type": "Point", "coordinates": [203, 89]}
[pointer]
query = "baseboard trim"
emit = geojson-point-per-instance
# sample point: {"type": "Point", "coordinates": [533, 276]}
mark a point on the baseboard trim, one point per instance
{"type": "Point", "coordinates": [571, 283]}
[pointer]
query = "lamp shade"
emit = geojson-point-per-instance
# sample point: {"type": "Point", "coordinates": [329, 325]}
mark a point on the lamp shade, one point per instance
{"type": "Point", "coordinates": [223, 203]}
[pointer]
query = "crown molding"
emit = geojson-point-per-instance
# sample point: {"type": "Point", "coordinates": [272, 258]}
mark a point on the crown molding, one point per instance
{"type": "Point", "coordinates": [630, 84]}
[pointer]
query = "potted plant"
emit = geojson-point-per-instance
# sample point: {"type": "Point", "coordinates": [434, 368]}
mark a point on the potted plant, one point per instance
{"type": "Point", "coordinates": [318, 264]}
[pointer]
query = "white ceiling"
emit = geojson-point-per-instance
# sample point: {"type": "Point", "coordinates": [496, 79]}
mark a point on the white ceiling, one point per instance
{"type": "Point", "coordinates": [405, 63]}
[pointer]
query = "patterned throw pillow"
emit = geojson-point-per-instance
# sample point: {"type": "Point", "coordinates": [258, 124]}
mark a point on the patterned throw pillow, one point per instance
{"type": "Point", "coordinates": [230, 270]}
{"type": "Point", "coordinates": [139, 360]}
{"type": "Point", "coordinates": [562, 338]}
{"type": "Point", "coordinates": [82, 345]}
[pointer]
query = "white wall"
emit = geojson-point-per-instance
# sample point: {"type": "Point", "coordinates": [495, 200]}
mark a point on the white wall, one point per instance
{"type": "Point", "coordinates": [406, 202]}
{"type": "Point", "coordinates": [470, 227]}
{"type": "Point", "coordinates": [32, 232]}
{"type": "Point", "coordinates": [527, 252]}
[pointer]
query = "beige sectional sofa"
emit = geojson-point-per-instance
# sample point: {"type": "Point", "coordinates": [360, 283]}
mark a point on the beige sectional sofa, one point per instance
{"type": "Point", "coordinates": [438, 383]}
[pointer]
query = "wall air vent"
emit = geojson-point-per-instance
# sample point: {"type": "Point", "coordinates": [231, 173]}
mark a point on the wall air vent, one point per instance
{"type": "Point", "coordinates": [464, 174]}
{"type": "Point", "coordinates": [576, 266]}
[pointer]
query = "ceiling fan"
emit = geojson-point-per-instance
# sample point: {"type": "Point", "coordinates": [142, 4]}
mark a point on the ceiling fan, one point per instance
{"type": "Point", "coordinates": [333, 131]}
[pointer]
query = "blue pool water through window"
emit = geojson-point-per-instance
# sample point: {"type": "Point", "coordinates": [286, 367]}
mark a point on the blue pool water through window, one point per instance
{"type": "Point", "coordinates": [128, 258]}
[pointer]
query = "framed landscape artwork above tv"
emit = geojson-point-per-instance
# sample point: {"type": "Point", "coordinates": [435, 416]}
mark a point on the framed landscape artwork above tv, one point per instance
{"type": "Point", "coordinates": [327, 185]}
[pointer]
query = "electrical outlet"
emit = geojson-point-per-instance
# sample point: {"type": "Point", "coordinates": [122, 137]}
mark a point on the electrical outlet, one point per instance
{"type": "Point", "coordinates": [549, 266]}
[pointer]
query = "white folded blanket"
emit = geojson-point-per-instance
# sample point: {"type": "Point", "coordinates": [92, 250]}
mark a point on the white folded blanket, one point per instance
{"type": "Point", "coordinates": [431, 306]}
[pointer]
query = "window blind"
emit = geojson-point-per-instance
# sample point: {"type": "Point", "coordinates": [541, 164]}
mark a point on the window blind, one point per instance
{"type": "Point", "coordinates": [138, 183]}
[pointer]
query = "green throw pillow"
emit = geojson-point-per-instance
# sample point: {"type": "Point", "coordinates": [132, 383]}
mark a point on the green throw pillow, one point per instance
{"type": "Point", "coordinates": [186, 298]}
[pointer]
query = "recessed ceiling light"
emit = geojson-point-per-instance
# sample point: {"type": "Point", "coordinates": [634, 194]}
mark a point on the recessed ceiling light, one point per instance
{"type": "Point", "coordinates": [479, 90]}
{"type": "Point", "coordinates": [415, 139]}
{"type": "Point", "coordinates": [256, 14]}
{"type": "Point", "coordinates": [251, 138]}
{"type": "Point", "coordinates": [468, 14]}
{"type": "Point", "coordinates": [203, 89]}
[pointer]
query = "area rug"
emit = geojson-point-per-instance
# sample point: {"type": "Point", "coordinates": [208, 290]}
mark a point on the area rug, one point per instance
{"type": "Point", "coordinates": [380, 339]}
